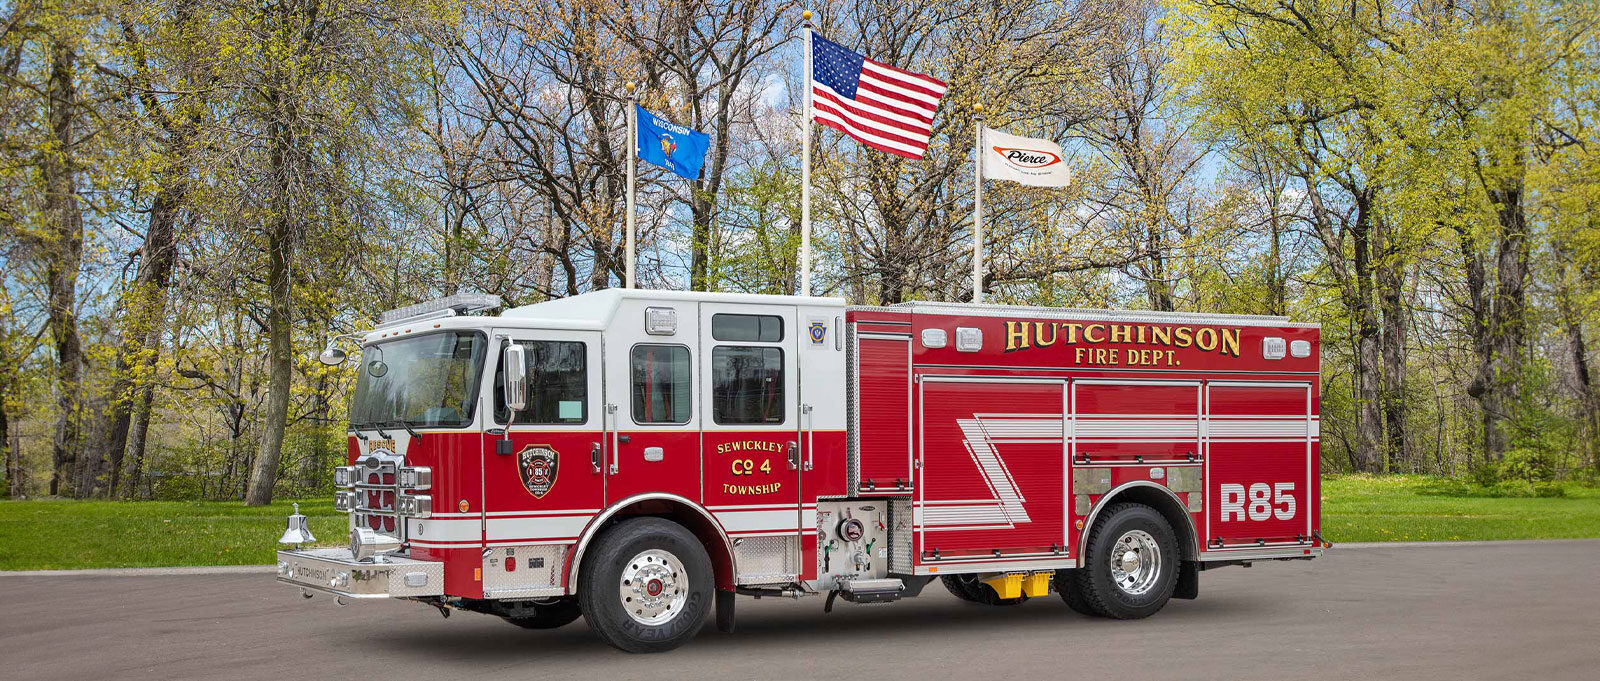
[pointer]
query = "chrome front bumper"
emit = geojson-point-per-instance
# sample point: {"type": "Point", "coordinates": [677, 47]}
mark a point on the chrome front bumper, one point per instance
{"type": "Point", "coordinates": [336, 571]}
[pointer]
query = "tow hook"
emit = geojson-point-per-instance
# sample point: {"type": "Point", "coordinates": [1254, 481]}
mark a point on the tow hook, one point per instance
{"type": "Point", "coordinates": [443, 611]}
{"type": "Point", "coordinates": [305, 593]}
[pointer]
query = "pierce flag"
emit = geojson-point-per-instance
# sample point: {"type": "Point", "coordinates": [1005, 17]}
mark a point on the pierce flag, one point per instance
{"type": "Point", "coordinates": [1034, 162]}
{"type": "Point", "coordinates": [669, 145]}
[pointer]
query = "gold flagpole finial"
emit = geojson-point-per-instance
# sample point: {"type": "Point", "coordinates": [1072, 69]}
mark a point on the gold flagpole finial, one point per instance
{"type": "Point", "coordinates": [806, 15]}
{"type": "Point", "coordinates": [978, 108]}
{"type": "Point", "coordinates": [630, 85]}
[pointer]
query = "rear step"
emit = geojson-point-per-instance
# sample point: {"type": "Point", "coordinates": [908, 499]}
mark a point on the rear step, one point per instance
{"type": "Point", "coordinates": [871, 590]}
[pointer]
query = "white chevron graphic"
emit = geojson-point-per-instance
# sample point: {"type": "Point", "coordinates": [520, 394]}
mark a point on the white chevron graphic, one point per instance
{"type": "Point", "coordinates": [1005, 509]}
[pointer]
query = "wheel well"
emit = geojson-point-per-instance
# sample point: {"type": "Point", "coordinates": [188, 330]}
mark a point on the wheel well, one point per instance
{"type": "Point", "coordinates": [1164, 502]}
{"type": "Point", "coordinates": [691, 517]}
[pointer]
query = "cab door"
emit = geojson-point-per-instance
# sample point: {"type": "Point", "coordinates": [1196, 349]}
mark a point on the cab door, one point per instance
{"type": "Point", "coordinates": [752, 445]}
{"type": "Point", "coordinates": [542, 474]}
{"type": "Point", "coordinates": [652, 416]}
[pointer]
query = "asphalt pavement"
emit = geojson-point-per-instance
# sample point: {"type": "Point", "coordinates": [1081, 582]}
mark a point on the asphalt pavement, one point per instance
{"type": "Point", "coordinates": [1496, 610]}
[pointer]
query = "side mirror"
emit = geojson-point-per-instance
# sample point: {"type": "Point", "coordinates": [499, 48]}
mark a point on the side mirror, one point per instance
{"type": "Point", "coordinates": [332, 355]}
{"type": "Point", "coordinates": [516, 373]}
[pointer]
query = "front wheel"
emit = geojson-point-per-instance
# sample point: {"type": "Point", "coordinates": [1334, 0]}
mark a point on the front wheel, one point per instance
{"type": "Point", "coordinates": [647, 586]}
{"type": "Point", "coordinates": [1130, 565]}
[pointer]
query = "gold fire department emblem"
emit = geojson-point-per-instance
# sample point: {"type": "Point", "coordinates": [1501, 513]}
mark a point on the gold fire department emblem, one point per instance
{"type": "Point", "coordinates": [537, 467]}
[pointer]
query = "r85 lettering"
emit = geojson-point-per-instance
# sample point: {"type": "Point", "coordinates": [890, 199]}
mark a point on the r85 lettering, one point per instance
{"type": "Point", "coordinates": [1260, 502]}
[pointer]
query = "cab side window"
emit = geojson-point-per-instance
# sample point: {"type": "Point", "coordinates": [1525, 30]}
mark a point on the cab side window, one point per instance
{"type": "Point", "coordinates": [558, 384]}
{"type": "Point", "coordinates": [661, 387]}
{"type": "Point", "coordinates": [746, 385]}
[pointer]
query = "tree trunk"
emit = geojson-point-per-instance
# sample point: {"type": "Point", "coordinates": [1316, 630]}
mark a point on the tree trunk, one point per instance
{"type": "Point", "coordinates": [145, 309]}
{"type": "Point", "coordinates": [63, 254]}
{"type": "Point", "coordinates": [138, 442]}
{"type": "Point", "coordinates": [700, 249]}
{"type": "Point", "coordinates": [1578, 352]}
{"type": "Point", "coordinates": [5, 447]}
{"type": "Point", "coordinates": [1157, 283]}
{"type": "Point", "coordinates": [280, 362]}
{"type": "Point", "coordinates": [1391, 294]}
{"type": "Point", "coordinates": [264, 471]}
{"type": "Point", "coordinates": [19, 481]}
{"type": "Point", "coordinates": [1369, 423]}
{"type": "Point", "coordinates": [1508, 321]}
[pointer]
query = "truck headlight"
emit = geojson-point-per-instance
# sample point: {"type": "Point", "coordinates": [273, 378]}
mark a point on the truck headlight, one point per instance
{"type": "Point", "coordinates": [415, 505]}
{"type": "Point", "coordinates": [345, 476]}
{"type": "Point", "coordinates": [416, 477]}
{"type": "Point", "coordinates": [342, 501]}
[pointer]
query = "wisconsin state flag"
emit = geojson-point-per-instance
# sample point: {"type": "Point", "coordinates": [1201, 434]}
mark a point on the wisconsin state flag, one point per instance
{"type": "Point", "coordinates": [669, 145]}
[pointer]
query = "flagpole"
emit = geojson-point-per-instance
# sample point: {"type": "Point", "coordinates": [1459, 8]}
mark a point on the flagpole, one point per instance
{"type": "Point", "coordinates": [805, 168]}
{"type": "Point", "coordinates": [633, 153]}
{"type": "Point", "coordinates": [977, 204]}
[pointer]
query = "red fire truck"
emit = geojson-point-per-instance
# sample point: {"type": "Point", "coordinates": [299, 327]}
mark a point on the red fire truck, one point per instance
{"type": "Point", "coordinates": [641, 458]}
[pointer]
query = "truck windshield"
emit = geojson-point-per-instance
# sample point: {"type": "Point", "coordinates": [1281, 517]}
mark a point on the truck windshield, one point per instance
{"type": "Point", "coordinates": [428, 380]}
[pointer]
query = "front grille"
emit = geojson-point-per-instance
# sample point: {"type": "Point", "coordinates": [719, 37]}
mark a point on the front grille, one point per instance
{"type": "Point", "coordinates": [376, 493]}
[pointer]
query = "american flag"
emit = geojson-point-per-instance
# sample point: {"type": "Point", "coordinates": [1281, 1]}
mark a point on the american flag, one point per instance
{"type": "Point", "coordinates": [883, 107]}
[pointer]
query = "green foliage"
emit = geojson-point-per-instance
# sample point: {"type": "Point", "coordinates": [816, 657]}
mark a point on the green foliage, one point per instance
{"type": "Point", "coordinates": [54, 535]}
{"type": "Point", "coordinates": [1429, 508]}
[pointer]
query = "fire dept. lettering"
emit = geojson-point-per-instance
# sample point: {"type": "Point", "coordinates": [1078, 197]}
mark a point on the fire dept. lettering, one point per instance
{"type": "Point", "coordinates": [768, 488]}
{"type": "Point", "coordinates": [1026, 335]}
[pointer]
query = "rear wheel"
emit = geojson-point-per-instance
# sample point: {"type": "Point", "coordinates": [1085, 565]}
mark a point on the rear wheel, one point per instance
{"type": "Point", "coordinates": [970, 588]}
{"type": "Point", "coordinates": [647, 585]}
{"type": "Point", "coordinates": [959, 588]}
{"type": "Point", "coordinates": [1130, 564]}
{"type": "Point", "coordinates": [557, 613]}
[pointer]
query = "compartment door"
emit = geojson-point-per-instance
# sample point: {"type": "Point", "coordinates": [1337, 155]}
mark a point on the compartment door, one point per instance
{"type": "Point", "coordinates": [1259, 464]}
{"type": "Point", "coordinates": [993, 469]}
{"type": "Point", "coordinates": [882, 374]}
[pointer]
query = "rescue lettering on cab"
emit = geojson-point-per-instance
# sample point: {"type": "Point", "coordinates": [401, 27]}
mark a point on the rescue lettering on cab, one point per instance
{"type": "Point", "coordinates": [1114, 344]}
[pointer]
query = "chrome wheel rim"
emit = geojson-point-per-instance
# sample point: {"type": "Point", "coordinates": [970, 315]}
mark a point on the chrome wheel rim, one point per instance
{"type": "Point", "coordinates": [654, 587]}
{"type": "Point", "coordinates": [1135, 562]}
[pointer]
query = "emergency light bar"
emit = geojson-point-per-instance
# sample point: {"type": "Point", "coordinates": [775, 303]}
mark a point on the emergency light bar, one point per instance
{"type": "Point", "coordinates": [448, 306]}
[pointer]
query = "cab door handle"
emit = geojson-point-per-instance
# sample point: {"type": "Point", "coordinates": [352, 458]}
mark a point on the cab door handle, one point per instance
{"type": "Point", "coordinates": [595, 456]}
{"type": "Point", "coordinates": [794, 455]}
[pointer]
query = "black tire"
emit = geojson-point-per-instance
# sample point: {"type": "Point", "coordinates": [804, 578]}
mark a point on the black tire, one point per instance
{"type": "Point", "coordinates": [1125, 528]}
{"type": "Point", "coordinates": [641, 548]}
{"type": "Point", "coordinates": [958, 588]}
{"type": "Point", "coordinates": [558, 613]}
{"type": "Point", "coordinates": [1067, 586]}
{"type": "Point", "coordinates": [968, 588]}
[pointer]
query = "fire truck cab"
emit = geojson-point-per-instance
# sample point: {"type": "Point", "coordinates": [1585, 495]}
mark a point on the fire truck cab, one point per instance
{"type": "Point", "coordinates": [640, 458]}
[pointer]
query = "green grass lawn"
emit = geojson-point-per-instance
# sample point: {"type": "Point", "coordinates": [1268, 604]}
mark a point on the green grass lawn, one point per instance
{"type": "Point", "coordinates": [52, 534]}
{"type": "Point", "coordinates": [41, 535]}
{"type": "Point", "coordinates": [1421, 508]}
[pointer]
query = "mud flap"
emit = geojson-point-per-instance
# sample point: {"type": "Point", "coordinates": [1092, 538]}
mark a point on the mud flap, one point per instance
{"type": "Point", "coordinates": [1188, 586]}
{"type": "Point", "coordinates": [725, 611]}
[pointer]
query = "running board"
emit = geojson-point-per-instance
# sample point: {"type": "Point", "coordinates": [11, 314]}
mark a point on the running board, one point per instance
{"type": "Point", "coordinates": [871, 590]}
